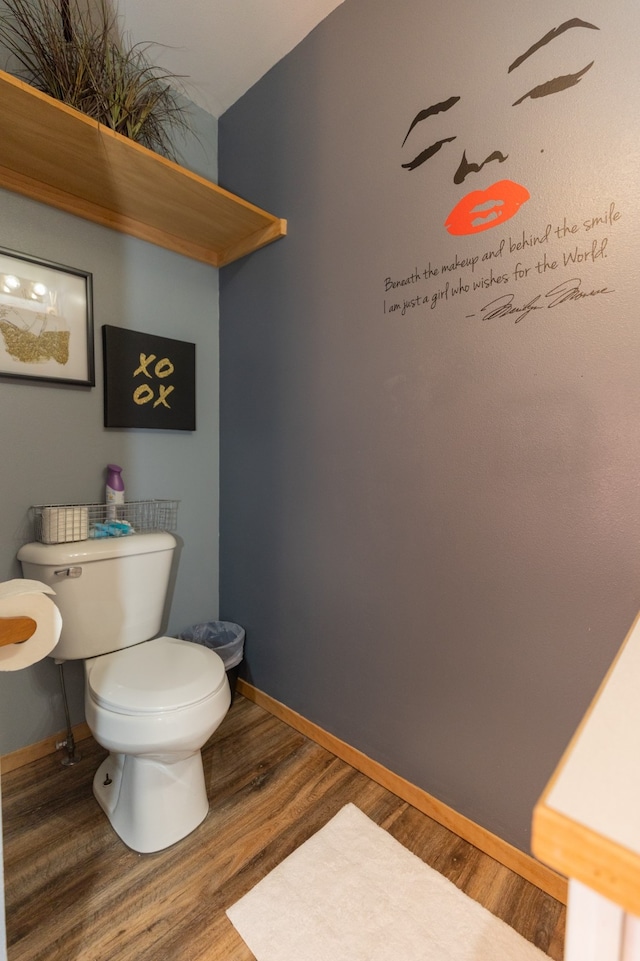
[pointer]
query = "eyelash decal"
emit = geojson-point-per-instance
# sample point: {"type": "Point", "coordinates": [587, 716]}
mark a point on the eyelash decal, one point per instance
{"type": "Point", "coordinates": [554, 86]}
{"type": "Point", "coordinates": [426, 154]}
{"type": "Point", "coordinates": [430, 111]}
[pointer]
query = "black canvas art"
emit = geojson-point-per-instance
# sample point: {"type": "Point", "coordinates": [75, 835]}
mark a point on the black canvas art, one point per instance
{"type": "Point", "coordinates": [149, 381]}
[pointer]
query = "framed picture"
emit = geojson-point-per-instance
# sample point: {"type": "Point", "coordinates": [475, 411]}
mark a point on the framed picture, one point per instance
{"type": "Point", "coordinates": [46, 321]}
{"type": "Point", "coordinates": [149, 381]}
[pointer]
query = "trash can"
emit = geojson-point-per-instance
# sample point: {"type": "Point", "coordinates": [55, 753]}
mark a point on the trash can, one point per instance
{"type": "Point", "coordinates": [223, 637]}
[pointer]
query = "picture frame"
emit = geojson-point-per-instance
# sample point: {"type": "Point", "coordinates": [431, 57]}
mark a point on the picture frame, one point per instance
{"type": "Point", "coordinates": [46, 321]}
{"type": "Point", "coordinates": [149, 380]}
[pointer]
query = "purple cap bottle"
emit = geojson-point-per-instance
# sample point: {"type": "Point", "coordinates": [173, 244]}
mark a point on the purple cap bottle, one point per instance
{"type": "Point", "coordinates": [114, 490]}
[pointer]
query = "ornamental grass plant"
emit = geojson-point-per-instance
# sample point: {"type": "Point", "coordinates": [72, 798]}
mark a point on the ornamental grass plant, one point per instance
{"type": "Point", "coordinates": [73, 51]}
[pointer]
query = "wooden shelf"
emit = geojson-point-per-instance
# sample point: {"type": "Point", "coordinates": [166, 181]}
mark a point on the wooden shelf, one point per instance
{"type": "Point", "coordinates": [52, 153]}
{"type": "Point", "coordinates": [587, 823]}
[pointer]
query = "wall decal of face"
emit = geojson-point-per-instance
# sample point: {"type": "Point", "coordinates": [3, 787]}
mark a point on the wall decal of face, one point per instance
{"type": "Point", "coordinates": [483, 209]}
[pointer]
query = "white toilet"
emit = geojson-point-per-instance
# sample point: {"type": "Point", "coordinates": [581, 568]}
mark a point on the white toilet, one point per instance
{"type": "Point", "coordinates": [152, 703]}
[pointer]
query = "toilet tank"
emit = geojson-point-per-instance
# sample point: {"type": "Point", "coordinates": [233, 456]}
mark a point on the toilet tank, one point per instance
{"type": "Point", "coordinates": [111, 592]}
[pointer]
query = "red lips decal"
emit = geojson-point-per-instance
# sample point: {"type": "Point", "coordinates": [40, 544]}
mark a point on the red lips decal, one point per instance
{"type": "Point", "coordinates": [484, 209]}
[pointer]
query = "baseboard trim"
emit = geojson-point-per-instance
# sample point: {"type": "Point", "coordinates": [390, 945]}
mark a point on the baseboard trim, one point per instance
{"type": "Point", "coordinates": [33, 752]}
{"type": "Point", "coordinates": [503, 852]}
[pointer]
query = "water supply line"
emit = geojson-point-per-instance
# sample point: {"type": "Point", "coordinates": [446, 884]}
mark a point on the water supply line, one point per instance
{"type": "Point", "coordinates": [72, 756]}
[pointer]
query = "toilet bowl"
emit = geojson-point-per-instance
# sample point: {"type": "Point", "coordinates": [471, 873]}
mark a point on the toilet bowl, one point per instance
{"type": "Point", "coordinates": [151, 701]}
{"type": "Point", "coordinates": [153, 706]}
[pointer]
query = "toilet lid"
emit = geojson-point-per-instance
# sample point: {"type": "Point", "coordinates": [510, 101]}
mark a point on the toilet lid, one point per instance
{"type": "Point", "coordinates": [162, 675]}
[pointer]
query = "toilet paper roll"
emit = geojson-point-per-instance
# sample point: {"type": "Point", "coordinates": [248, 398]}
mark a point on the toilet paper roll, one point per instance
{"type": "Point", "coordinates": [25, 598]}
{"type": "Point", "coordinates": [60, 525]}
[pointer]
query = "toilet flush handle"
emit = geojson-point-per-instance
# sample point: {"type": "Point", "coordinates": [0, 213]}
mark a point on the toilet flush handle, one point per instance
{"type": "Point", "coordinates": [69, 572]}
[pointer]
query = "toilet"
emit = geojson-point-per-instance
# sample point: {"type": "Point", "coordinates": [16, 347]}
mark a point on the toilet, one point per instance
{"type": "Point", "coordinates": [152, 702]}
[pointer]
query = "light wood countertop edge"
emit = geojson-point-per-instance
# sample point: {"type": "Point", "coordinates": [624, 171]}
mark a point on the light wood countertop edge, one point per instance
{"type": "Point", "coordinates": [576, 850]}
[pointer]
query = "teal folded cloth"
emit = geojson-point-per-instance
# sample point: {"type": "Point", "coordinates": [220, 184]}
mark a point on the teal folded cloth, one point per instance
{"type": "Point", "coordinates": [111, 529]}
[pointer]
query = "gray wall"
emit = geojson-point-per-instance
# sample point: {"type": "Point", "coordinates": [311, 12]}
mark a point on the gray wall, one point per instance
{"type": "Point", "coordinates": [430, 516]}
{"type": "Point", "coordinates": [55, 447]}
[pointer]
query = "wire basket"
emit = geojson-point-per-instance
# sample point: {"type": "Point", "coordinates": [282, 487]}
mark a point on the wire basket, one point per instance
{"type": "Point", "coordinates": [63, 523]}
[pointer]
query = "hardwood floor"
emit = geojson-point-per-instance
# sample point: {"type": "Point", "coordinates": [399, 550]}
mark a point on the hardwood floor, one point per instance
{"type": "Point", "coordinates": [75, 892]}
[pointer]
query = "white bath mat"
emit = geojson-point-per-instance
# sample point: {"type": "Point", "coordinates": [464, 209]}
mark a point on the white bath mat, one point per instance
{"type": "Point", "coordinates": [354, 893]}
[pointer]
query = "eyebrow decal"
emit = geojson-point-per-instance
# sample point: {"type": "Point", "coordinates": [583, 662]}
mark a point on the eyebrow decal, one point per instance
{"type": "Point", "coordinates": [430, 111]}
{"type": "Point", "coordinates": [426, 154]}
{"type": "Point", "coordinates": [552, 35]}
{"type": "Point", "coordinates": [555, 85]}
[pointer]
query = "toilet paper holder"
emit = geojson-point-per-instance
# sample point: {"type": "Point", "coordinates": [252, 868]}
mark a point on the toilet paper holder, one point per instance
{"type": "Point", "coordinates": [16, 630]}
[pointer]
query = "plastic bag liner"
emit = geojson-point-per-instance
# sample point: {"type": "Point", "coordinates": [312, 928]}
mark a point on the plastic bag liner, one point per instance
{"type": "Point", "coordinates": [223, 637]}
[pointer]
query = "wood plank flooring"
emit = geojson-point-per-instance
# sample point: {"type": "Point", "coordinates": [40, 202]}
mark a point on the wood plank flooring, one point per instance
{"type": "Point", "coordinates": [75, 892]}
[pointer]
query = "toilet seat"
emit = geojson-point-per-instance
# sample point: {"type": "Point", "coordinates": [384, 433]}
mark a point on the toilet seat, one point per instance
{"type": "Point", "coordinates": [154, 677]}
